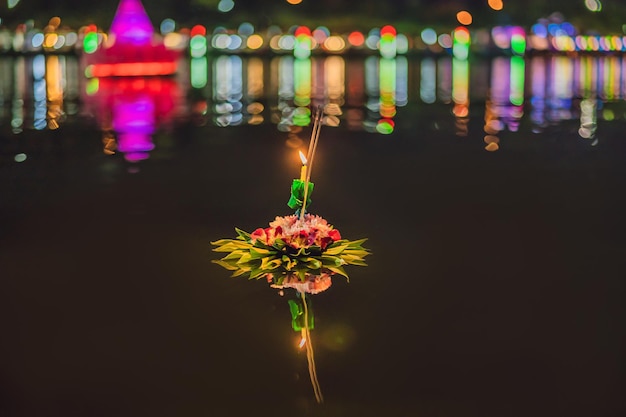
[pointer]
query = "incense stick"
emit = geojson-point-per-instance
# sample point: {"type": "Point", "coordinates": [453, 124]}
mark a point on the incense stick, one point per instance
{"type": "Point", "coordinates": [315, 134]}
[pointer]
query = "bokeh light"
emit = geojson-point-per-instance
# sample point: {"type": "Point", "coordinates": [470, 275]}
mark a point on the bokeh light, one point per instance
{"type": "Point", "coordinates": [356, 39]}
{"type": "Point", "coordinates": [464, 17]}
{"type": "Point", "coordinates": [593, 5]}
{"type": "Point", "coordinates": [225, 6]}
{"type": "Point", "coordinates": [495, 4]}
{"type": "Point", "coordinates": [245, 29]}
{"type": "Point", "coordinates": [334, 44]}
{"type": "Point", "coordinates": [167, 26]}
{"type": "Point", "coordinates": [254, 41]}
{"type": "Point", "coordinates": [429, 36]}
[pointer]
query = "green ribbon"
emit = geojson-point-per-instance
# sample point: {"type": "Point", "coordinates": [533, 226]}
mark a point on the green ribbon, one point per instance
{"type": "Point", "coordinates": [296, 308]}
{"type": "Point", "coordinates": [297, 194]}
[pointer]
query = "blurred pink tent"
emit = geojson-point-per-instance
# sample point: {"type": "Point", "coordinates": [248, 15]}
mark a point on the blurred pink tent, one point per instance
{"type": "Point", "coordinates": [133, 47]}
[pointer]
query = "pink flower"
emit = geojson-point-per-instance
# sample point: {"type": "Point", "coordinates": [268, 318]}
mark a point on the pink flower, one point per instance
{"type": "Point", "coordinates": [313, 230]}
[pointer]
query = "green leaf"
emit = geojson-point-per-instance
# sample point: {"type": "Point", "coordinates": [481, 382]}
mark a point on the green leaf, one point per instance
{"type": "Point", "coordinates": [336, 250]}
{"type": "Point", "coordinates": [242, 233]}
{"type": "Point", "coordinates": [328, 260]}
{"type": "Point", "coordinates": [224, 264]}
{"type": "Point", "coordinates": [338, 270]}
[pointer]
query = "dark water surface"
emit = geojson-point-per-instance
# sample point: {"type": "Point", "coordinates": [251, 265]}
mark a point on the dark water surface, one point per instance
{"type": "Point", "coordinates": [496, 285]}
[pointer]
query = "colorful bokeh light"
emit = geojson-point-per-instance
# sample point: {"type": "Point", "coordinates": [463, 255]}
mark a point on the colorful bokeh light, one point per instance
{"type": "Point", "coordinates": [356, 39]}
{"type": "Point", "coordinates": [464, 17]}
{"type": "Point", "coordinates": [496, 4]}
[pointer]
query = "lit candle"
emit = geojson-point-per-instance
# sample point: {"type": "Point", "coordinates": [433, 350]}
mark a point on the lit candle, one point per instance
{"type": "Point", "coordinates": [303, 169]}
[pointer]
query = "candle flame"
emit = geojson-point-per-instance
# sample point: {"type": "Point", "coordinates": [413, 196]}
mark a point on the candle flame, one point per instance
{"type": "Point", "coordinates": [303, 158]}
{"type": "Point", "coordinates": [302, 342]}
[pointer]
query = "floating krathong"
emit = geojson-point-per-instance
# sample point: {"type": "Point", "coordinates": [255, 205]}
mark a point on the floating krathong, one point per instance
{"type": "Point", "coordinates": [301, 251]}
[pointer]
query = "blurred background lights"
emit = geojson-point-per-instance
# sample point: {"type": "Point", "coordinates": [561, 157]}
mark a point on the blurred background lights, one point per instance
{"type": "Point", "coordinates": [495, 4]}
{"type": "Point", "coordinates": [220, 41]}
{"type": "Point", "coordinates": [518, 40]}
{"type": "Point", "coordinates": [20, 157]}
{"type": "Point", "coordinates": [254, 41]}
{"type": "Point", "coordinates": [356, 39]}
{"type": "Point", "coordinates": [37, 40]}
{"type": "Point", "coordinates": [245, 29]}
{"type": "Point", "coordinates": [225, 6]}
{"type": "Point", "coordinates": [385, 126]}
{"type": "Point", "coordinates": [320, 34]}
{"type": "Point", "coordinates": [387, 42]}
{"type": "Point", "coordinates": [445, 40]}
{"type": "Point", "coordinates": [167, 26]}
{"type": "Point", "coordinates": [540, 30]}
{"type": "Point", "coordinates": [90, 42]}
{"type": "Point", "coordinates": [286, 42]}
{"type": "Point", "coordinates": [402, 44]}
{"type": "Point", "coordinates": [464, 17]}
{"type": "Point", "coordinates": [593, 5]}
{"type": "Point", "coordinates": [334, 44]}
{"type": "Point", "coordinates": [235, 42]}
{"type": "Point", "coordinates": [429, 36]}
{"type": "Point", "coordinates": [55, 22]}
{"type": "Point", "coordinates": [12, 3]}
{"type": "Point", "coordinates": [294, 1]}
{"type": "Point", "coordinates": [371, 41]}
{"type": "Point", "coordinates": [50, 39]}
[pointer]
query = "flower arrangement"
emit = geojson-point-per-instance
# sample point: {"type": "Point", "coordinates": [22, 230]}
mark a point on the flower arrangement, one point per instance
{"type": "Point", "coordinates": [291, 250]}
{"type": "Point", "coordinates": [301, 251]}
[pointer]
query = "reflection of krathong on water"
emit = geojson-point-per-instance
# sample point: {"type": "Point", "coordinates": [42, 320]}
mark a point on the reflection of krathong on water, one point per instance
{"type": "Point", "coordinates": [301, 251]}
{"type": "Point", "coordinates": [130, 110]}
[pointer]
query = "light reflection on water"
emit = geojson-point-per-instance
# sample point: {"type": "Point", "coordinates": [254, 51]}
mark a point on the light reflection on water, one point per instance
{"type": "Point", "coordinates": [370, 94]}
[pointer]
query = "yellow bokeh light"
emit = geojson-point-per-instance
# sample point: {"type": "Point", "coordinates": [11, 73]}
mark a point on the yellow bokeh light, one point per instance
{"type": "Point", "coordinates": [464, 17]}
{"type": "Point", "coordinates": [496, 4]}
{"type": "Point", "coordinates": [294, 1]}
{"type": "Point", "coordinates": [254, 41]}
{"type": "Point", "coordinates": [492, 147]}
{"type": "Point", "coordinates": [50, 39]}
{"type": "Point", "coordinates": [334, 43]}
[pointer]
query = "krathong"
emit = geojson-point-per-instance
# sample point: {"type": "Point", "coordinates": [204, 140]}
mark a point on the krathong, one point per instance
{"type": "Point", "coordinates": [301, 251]}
